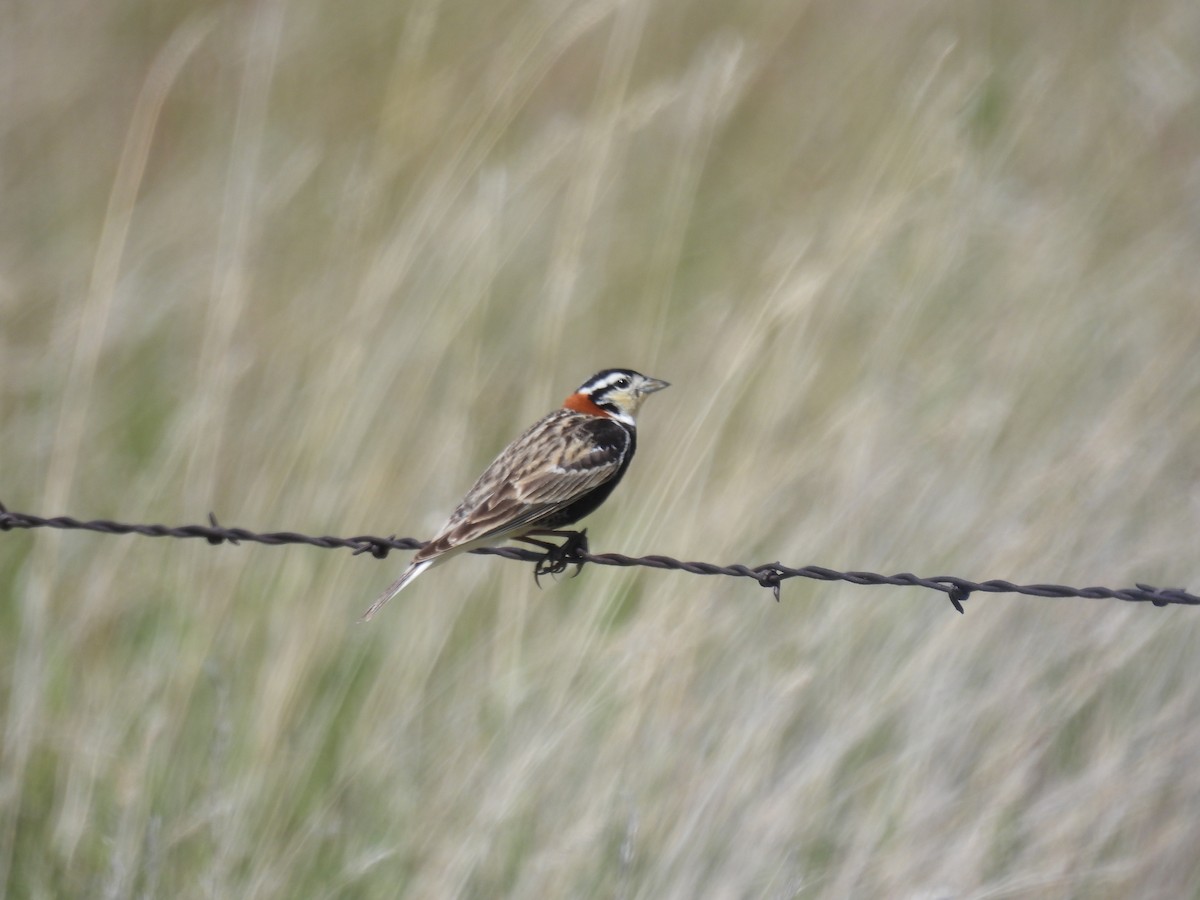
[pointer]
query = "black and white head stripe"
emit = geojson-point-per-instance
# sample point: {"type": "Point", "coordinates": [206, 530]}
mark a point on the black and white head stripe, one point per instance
{"type": "Point", "coordinates": [602, 382]}
{"type": "Point", "coordinates": [603, 388]}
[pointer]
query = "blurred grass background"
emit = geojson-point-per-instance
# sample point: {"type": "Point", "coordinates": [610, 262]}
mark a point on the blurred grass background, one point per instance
{"type": "Point", "coordinates": [924, 276]}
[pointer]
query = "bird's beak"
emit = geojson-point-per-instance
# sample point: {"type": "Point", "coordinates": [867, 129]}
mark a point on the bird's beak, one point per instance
{"type": "Point", "coordinates": [650, 385]}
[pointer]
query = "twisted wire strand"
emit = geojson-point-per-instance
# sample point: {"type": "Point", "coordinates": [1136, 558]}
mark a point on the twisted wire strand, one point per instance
{"type": "Point", "coordinates": [769, 575]}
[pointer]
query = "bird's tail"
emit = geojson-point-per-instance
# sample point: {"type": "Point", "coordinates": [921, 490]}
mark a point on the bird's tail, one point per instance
{"type": "Point", "coordinates": [415, 568]}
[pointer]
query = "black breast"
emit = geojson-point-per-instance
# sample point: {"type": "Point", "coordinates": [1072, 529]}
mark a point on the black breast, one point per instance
{"type": "Point", "coordinates": [610, 435]}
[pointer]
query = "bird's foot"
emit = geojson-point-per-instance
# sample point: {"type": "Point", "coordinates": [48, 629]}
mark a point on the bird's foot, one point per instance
{"type": "Point", "coordinates": [559, 556]}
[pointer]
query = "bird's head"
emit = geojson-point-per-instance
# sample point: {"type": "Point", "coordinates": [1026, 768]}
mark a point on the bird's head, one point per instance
{"type": "Point", "coordinates": [614, 393]}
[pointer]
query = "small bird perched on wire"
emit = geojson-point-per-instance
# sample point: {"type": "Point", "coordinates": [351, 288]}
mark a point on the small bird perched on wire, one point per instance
{"type": "Point", "coordinates": [560, 470]}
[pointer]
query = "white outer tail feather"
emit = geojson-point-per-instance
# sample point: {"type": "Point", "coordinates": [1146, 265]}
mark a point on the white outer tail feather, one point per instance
{"type": "Point", "coordinates": [398, 585]}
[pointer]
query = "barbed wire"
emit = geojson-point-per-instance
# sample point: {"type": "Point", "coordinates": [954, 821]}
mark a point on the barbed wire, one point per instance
{"type": "Point", "coordinates": [769, 575]}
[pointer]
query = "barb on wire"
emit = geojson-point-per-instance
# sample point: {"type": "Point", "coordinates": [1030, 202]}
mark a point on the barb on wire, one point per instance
{"type": "Point", "coordinates": [769, 575]}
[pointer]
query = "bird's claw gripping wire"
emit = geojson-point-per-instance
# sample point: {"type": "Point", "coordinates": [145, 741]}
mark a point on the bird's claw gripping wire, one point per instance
{"type": "Point", "coordinates": [558, 556]}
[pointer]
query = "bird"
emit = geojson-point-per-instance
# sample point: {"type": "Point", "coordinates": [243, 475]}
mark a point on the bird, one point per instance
{"type": "Point", "coordinates": [558, 471]}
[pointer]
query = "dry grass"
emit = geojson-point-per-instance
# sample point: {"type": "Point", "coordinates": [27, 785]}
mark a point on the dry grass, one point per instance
{"type": "Point", "coordinates": [924, 276]}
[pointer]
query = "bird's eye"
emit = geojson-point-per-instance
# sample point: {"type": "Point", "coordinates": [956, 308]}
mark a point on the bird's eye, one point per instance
{"type": "Point", "coordinates": [621, 383]}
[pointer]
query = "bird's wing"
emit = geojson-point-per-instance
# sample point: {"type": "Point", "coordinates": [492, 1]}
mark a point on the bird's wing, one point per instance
{"type": "Point", "coordinates": [550, 466]}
